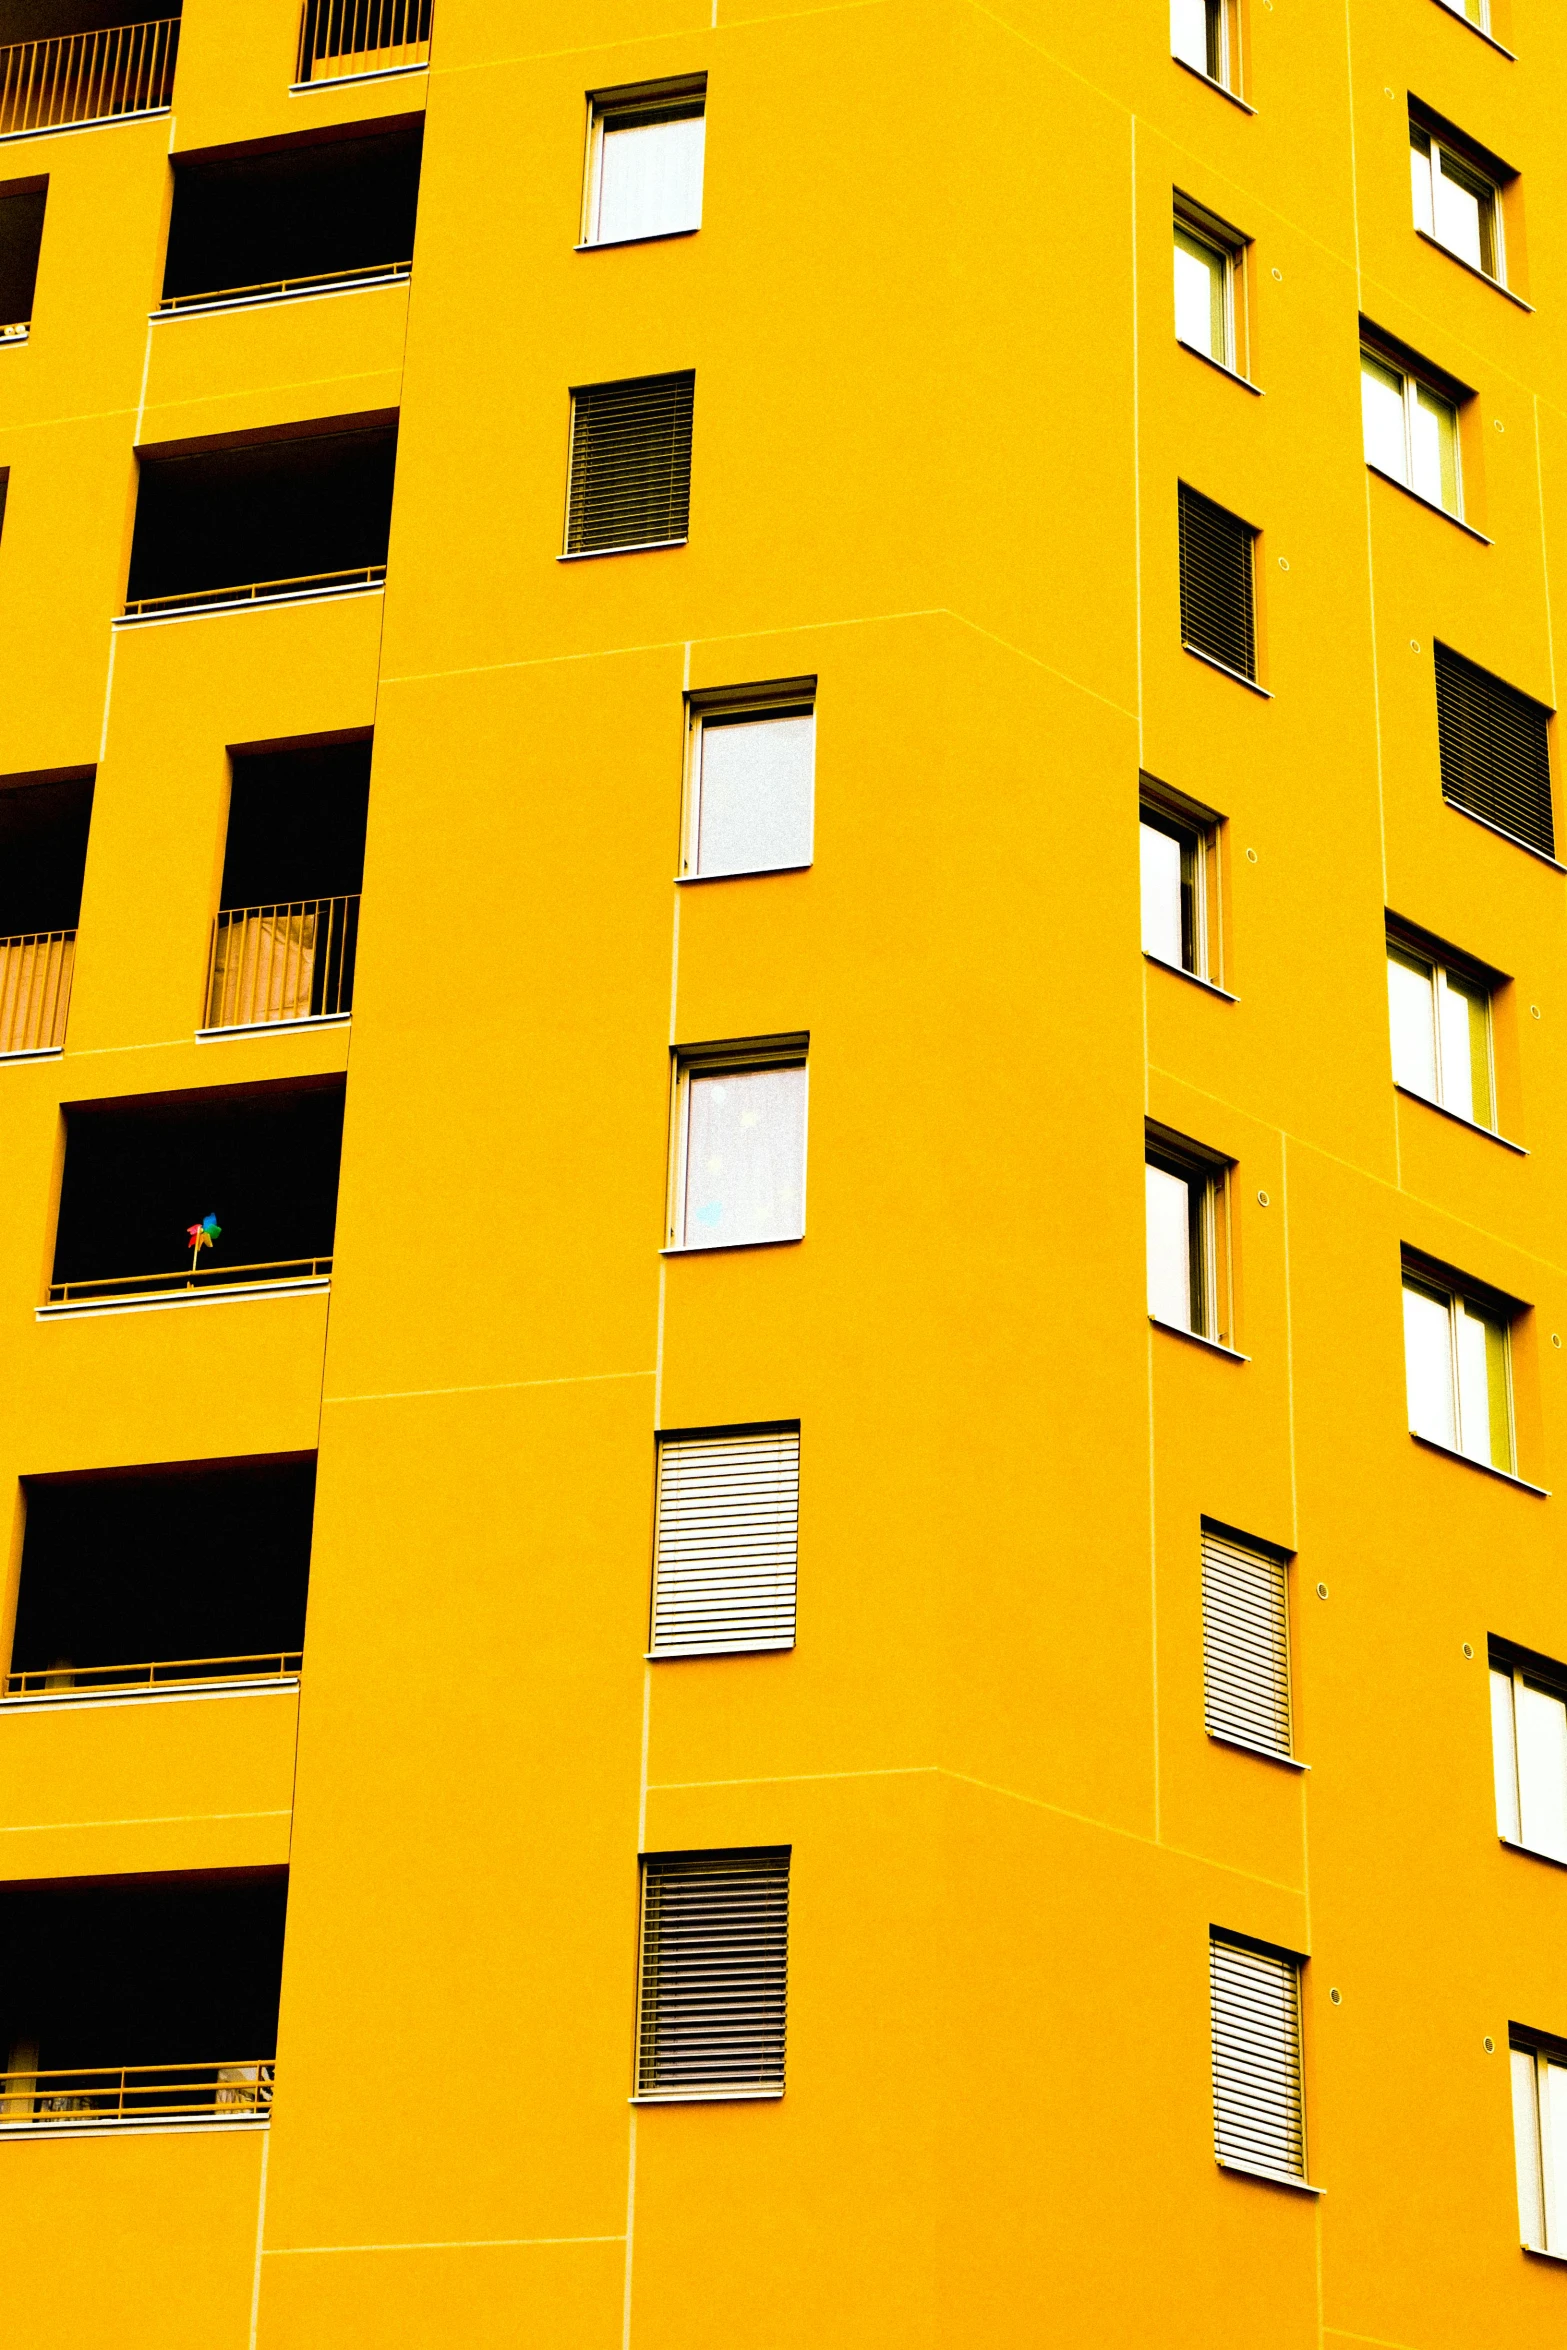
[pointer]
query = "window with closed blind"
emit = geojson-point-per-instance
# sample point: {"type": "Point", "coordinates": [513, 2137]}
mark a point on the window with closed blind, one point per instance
{"type": "Point", "coordinates": [1494, 744]}
{"type": "Point", "coordinates": [713, 1975]}
{"type": "Point", "coordinates": [1218, 590]}
{"type": "Point", "coordinates": [1259, 2120]}
{"type": "Point", "coordinates": [1245, 1644]}
{"type": "Point", "coordinates": [726, 1540]}
{"type": "Point", "coordinates": [630, 481]}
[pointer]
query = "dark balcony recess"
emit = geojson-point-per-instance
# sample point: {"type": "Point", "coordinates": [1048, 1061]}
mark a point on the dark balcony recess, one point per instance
{"type": "Point", "coordinates": [69, 62]}
{"type": "Point", "coordinates": [140, 2002]}
{"type": "Point", "coordinates": [262, 1159]}
{"type": "Point", "coordinates": [302, 515]}
{"type": "Point", "coordinates": [286, 938]}
{"type": "Point", "coordinates": [141, 1581]}
{"type": "Point", "coordinates": [43, 849]}
{"type": "Point", "coordinates": [21, 238]}
{"type": "Point", "coordinates": [294, 217]}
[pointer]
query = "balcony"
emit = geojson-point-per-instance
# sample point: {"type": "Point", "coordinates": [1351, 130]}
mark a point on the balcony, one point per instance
{"type": "Point", "coordinates": [43, 850]}
{"type": "Point", "coordinates": [142, 1174]}
{"type": "Point", "coordinates": [88, 77]}
{"type": "Point", "coordinates": [286, 938]}
{"type": "Point", "coordinates": [272, 964]}
{"type": "Point", "coordinates": [35, 990]}
{"type": "Point", "coordinates": [116, 1993]}
{"type": "Point", "coordinates": [349, 40]}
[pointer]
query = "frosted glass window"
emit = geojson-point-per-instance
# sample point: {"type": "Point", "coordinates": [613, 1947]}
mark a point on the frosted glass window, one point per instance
{"type": "Point", "coordinates": [1173, 859]}
{"type": "Point", "coordinates": [1202, 296]}
{"type": "Point", "coordinates": [1410, 433]}
{"type": "Point", "coordinates": [1529, 1743]}
{"type": "Point", "coordinates": [1455, 203]}
{"type": "Point", "coordinates": [752, 793]}
{"type": "Point", "coordinates": [742, 1177]}
{"type": "Point", "coordinates": [1540, 2146]}
{"type": "Point", "coordinates": [647, 174]}
{"type": "Point", "coordinates": [1197, 36]}
{"type": "Point", "coordinates": [1456, 1371]}
{"type": "Point", "coordinates": [1441, 1032]}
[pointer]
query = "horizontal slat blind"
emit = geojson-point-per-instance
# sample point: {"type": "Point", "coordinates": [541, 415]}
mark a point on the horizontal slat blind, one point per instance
{"type": "Point", "coordinates": [630, 463]}
{"type": "Point", "coordinates": [726, 1541]}
{"type": "Point", "coordinates": [715, 1930]}
{"type": "Point", "coordinates": [1495, 751]}
{"type": "Point", "coordinates": [1258, 2118]}
{"type": "Point", "coordinates": [1245, 1640]}
{"type": "Point", "coordinates": [1217, 592]}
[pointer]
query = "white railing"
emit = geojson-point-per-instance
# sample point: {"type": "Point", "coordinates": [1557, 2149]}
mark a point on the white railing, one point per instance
{"type": "Point", "coordinates": [88, 77]}
{"type": "Point", "coordinates": [338, 38]}
{"type": "Point", "coordinates": [276, 963]}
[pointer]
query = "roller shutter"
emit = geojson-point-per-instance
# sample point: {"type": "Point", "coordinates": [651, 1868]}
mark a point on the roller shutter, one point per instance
{"type": "Point", "coordinates": [715, 1930]}
{"type": "Point", "coordinates": [1258, 2117]}
{"type": "Point", "coordinates": [630, 464]}
{"type": "Point", "coordinates": [726, 1541]}
{"type": "Point", "coordinates": [1495, 751]}
{"type": "Point", "coordinates": [1218, 601]}
{"type": "Point", "coordinates": [1245, 1638]}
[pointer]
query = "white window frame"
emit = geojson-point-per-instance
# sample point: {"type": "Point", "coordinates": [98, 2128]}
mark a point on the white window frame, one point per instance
{"type": "Point", "coordinates": [788, 697]}
{"type": "Point", "coordinates": [1207, 1179]}
{"type": "Point", "coordinates": [1223, 37]}
{"type": "Point", "coordinates": [1411, 384]}
{"type": "Point", "coordinates": [1479, 23]}
{"type": "Point", "coordinates": [682, 96]}
{"type": "Point", "coordinates": [1514, 1674]}
{"type": "Point", "coordinates": [1470, 978]}
{"type": "Point", "coordinates": [1440, 1287]}
{"type": "Point", "coordinates": [1197, 830]}
{"type": "Point", "coordinates": [1193, 220]}
{"type": "Point", "coordinates": [1428, 147]}
{"type": "Point", "coordinates": [742, 1058]}
{"type": "Point", "coordinates": [1542, 2191]}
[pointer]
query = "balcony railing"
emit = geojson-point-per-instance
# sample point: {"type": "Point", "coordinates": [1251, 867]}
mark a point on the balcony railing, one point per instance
{"type": "Point", "coordinates": [35, 990]}
{"type": "Point", "coordinates": [88, 77]}
{"type": "Point", "coordinates": [277, 289]}
{"type": "Point", "coordinates": [187, 1673]}
{"type": "Point", "coordinates": [284, 1272]}
{"type": "Point", "coordinates": [136, 2096]}
{"type": "Point", "coordinates": [276, 963]}
{"type": "Point", "coordinates": [338, 38]}
{"type": "Point", "coordinates": [260, 591]}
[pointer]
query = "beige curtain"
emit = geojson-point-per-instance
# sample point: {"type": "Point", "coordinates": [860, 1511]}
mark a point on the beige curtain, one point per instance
{"type": "Point", "coordinates": [35, 988]}
{"type": "Point", "coordinates": [263, 966]}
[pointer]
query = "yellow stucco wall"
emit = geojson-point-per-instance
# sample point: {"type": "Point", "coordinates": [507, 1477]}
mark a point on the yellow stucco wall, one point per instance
{"type": "Point", "coordinates": [940, 418]}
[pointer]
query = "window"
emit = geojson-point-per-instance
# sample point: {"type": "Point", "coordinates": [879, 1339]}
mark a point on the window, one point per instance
{"type": "Point", "coordinates": [1456, 203]}
{"type": "Point", "coordinates": [1207, 284]}
{"type": "Point", "coordinates": [1202, 36]}
{"type": "Point", "coordinates": [750, 780]}
{"type": "Point", "coordinates": [1178, 848]}
{"type": "Point", "coordinates": [1411, 432]}
{"type": "Point", "coordinates": [1539, 2067]}
{"type": "Point", "coordinates": [1218, 615]}
{"type": "Point", "coordinates": [739, 1158]}
{"type": "Point", "coordinates": [714, 1974]}
{"type": "Point", "coordinates": [630, 483]}
{"type": "Point", "coordinates": [1456, 1351]}
{"type": "Point", "coordinates": [1245, 1643]}
{"type": "Point", "coordinates": [1529, 1749]}
{"type": "Point", "coordinates": [1495, 752]}
{"type": "Point", "coordinates": [1440, 1017]}
{"type": "Point", "coordinates": [1258, 2109]}
{"type": "Point", "coordinates": [645, 147]}
{"type": "Point", "coordinates": [726, 1541]}
{"type": "Point", "coordinates": [1185, 1197]}
{"type": "Point", "coordinates": [1475, 12]}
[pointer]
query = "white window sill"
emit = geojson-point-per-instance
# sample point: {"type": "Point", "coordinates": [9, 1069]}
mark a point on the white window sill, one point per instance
{"type": "Point", "coordinates": [1502, 833]}
{"type": "Point", "coordinates": [1495, 283]}
{"type": "Point", "coordinates": [274, 1027]}
{"type": "Point", "coordinates": [1220, 367]}
{"type": "Point", "coordinates": [1263, 1753]}
{"type": "Point", "coordinates": [178, 1300]}
{"type": "Point", "coordinates": [1552, 1860]}
{"type": "Point", "coordinates": [716, 1248]}
{"type": "Point", "coordinates": [37, 1052]}
{"type": "Point", "coordinates": [349, 81]}
{"type": "Point", "coordinates": [1213, 1346]}
{"type": "Point", "coordinates": [676, 1656]}
{"type": "Point", "coordinates": [741, 873]}
{"type": "Point", "coordinates": [709, 2097]}
{"type": "Point", "coordinates": [180, 1692]}
{"type": "Point", "coordinates": [1224, 669]}
{"type": "Point", "coordinates": [1472, 1125]}
{"type": "Point", "coordinates": [637, 547]}
{"type": "Point", "coordinates": [652, 236]}
{"type": "Point", "coordinates": [1486, 1469]}
{"type": "Point", "coordinates": [1430, 505]}
{"type": "Point", "coordinates": [1209, 83]}
{"type": "Point", "coordinates": [1274, 2178]}
{"type": "Point", "coordinates": [1538, 2251]}
{"type": "Point", "coordinates": [45, 2132]}
{"type": "Point", "coordinates": [15, 335]}
{"type": "Point", "coordinates": [1192, 978]}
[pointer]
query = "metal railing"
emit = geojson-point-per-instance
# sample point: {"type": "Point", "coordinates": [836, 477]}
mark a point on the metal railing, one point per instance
{"type": "Point", "coordinates": [88, 77]}
{"type": "Point", "coordinates": [67, 1680]}
{"type": "Point", "coordinates": [283, 1269]}
{"type": "Point", "coordinates": [276, 963]}
{"type": "Point", "coordinates": [377, 273]}
{"type": "Point", "coordinates": [260, 591]}
{"type": "Point", "coordinates": [342, 37]}
{"type": "Point", "coordinates": [35, 990]}
{"type": "Point", "coordinates": [127, 2095]}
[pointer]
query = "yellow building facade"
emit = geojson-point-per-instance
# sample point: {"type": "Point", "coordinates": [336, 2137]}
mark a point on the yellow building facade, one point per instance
{"type": "Point", "coordinates": [961, 497]}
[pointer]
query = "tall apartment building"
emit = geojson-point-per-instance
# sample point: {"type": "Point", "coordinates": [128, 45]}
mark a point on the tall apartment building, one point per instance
{"type": "Point", "coordinates": [634, 1718]}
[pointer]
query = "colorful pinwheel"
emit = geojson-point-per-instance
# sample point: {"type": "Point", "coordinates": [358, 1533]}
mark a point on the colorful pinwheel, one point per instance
{"type": "Point", "coordinates": [202, 1236]}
